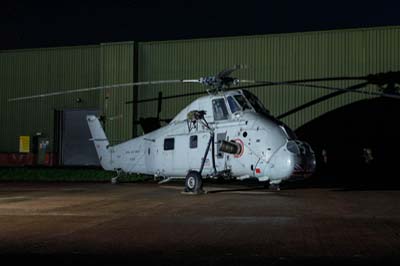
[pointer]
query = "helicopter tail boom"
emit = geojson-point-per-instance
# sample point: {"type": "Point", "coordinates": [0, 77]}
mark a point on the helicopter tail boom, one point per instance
{"type": "Point", "coordinates": [100, 141]}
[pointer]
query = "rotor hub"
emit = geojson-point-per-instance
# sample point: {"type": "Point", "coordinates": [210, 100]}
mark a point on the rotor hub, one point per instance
{"type": "Point", "coordinates": [219, 83]}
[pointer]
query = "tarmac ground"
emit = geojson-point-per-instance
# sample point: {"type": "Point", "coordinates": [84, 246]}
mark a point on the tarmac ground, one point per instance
{"type": "Point", "coordinates": [233, 224]}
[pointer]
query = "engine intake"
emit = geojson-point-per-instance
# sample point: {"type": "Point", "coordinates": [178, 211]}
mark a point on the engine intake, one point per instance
{"type": "Point", "coordinates": [231, 147]}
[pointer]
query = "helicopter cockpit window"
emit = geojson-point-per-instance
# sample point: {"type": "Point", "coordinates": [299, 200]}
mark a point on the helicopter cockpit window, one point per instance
{"type": "Point", "coordinates": [219, 108]}
{"type": "Point", "coordinates": [256, 103]}
{"type": "Point", "coordinates": [233, 105]}
{"type": "Point", "coordinates": [169, 144]}
{"type": "Point", "coordinates": [242, 101]}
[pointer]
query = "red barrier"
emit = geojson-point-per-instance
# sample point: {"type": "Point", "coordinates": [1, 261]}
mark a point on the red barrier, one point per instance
{"type": "Point", "coordinates": [26, 159]}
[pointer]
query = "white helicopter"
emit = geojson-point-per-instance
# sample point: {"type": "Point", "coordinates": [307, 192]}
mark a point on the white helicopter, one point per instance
{"type": "Point", "coordinates": [228, 133]}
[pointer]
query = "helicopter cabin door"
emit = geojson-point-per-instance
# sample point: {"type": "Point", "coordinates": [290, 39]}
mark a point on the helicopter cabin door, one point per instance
{"type": "Point", "coordinates": [173, 159]}
{"type": "Point", "coordinates": [221, 117]}
{"type": "Point", "coordinates": [179, 157]}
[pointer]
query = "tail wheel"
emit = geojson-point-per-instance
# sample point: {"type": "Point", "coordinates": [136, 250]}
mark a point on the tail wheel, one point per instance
{"type": "Point", "coordinates": [193, 182]}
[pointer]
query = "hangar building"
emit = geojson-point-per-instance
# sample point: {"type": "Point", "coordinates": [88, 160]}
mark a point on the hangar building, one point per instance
{"type": "Point", "coordinates": [47, 131]}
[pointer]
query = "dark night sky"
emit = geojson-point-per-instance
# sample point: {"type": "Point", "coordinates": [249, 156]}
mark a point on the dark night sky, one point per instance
{"type": "Point", "coordinates": [29, 24]}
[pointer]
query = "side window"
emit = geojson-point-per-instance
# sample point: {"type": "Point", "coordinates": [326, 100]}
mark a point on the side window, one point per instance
{"type": "Point", "coordinates": [219, 108]}
{"type": "Point", "coordinates": [233, 105]}
{"type": "Point", "coordinates": [169, 144]}
{"type": "Point", "coordinates": [193, 142]}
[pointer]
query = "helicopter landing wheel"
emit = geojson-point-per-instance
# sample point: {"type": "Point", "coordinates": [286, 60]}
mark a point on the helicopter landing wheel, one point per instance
{"type": "Point", "coordinates": [274, 187]}
{"type": "Point", "coordinates": [194, 182]}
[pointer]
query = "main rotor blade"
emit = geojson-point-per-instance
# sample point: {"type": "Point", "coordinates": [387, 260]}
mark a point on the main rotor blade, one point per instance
{"type": "Point", "coordinates": [391, 77]}
{"type": "Point", "coordinates": [323, 79]}
{"type": "Point", "coordinates": [181, 95]}
{"type": "Point", "coordinates": [323, 98]}
{"type": "Point", "coordinates": [342, 90]}
{"type": "Point", "coordinates": [331, 95]}
{"type": "Point", "coordinates": [338, 91]}
{"type": "Point", "coordinates": [105, 87]}
{"type": "Point", "coordinates": [262, 83]}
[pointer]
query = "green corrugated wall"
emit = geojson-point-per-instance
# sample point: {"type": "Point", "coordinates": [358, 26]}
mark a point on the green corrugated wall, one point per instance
{"type": "Point", "coordinates": [37, 71]}
{"type": "Point", "coordinates": [117, 66]}
{"type": "Point", "coordinates": [268, 57]}
{"type": "Point", "coordinates": [274, 58]}
{"type": "Point", "coordinates": [28, 72]}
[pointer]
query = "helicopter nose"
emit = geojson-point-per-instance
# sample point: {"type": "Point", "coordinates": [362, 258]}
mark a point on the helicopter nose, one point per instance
{"type": "Point", "coordinates": [282, 164]}
{"type": "Point", "coordinates": [305, 162]}
{"type": "Point", "coordinates": [293, 160]}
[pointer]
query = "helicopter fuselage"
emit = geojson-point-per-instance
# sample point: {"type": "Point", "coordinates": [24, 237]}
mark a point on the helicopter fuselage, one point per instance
{"type": "Point", "coordinates": [263, 147]}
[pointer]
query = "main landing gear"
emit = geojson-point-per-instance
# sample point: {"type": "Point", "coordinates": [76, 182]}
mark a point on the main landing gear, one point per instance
{"type": "Point", "coordinates": [114, 180]}
{"type": "Point", "coordinates": [274, 187]}
{"type": "Point", "coordinates": [194, 180]}
{"type": "Point", "coordinates": [194, 183]}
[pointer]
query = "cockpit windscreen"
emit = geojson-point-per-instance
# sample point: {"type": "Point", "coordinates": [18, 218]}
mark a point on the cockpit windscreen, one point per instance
{"type": "Point", "coordinates": [242, 102]}
{"type": "Point", "coordinates": [256, 103]}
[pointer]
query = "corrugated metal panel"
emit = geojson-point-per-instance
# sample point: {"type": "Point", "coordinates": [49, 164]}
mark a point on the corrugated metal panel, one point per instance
{"type": "Point", "coordinates": [273, 58]}
{"type": "Point", "coordinates": [29, 72]}
{"type": "Point", "coordinates": [117, 66]}
{"type": "Point", "coordinates": [269, 57]}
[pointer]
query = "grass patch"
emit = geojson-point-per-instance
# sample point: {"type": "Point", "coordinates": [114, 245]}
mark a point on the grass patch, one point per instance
{"type": "Point", "coordinates": [24, 174]}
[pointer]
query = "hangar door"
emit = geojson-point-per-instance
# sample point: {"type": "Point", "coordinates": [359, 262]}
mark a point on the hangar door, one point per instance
{"type": "Point", "coordinates": [72, 132]}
